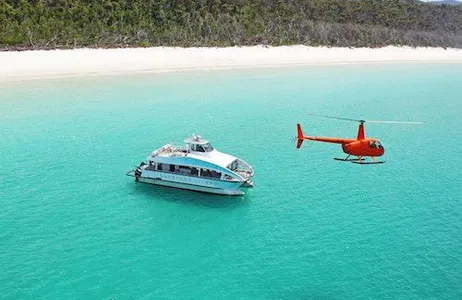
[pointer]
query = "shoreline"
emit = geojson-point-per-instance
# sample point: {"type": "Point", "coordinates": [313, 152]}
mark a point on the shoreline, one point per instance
{"type": "Point", "coordinates": [45, 64]}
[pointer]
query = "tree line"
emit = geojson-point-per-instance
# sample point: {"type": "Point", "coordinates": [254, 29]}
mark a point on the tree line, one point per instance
{"type": "Point", "coordinates": [48, 24]}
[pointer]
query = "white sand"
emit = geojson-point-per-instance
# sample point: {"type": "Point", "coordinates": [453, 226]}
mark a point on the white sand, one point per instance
{"type": "Point", "coordinates": [57, 63]}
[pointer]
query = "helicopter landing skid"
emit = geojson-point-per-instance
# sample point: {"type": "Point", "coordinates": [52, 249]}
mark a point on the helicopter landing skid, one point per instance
{"type": "Point", "coordinates": [349, 159]}
{"type": "Point", "coordinates": [360, 160]}
{"type": "Point", "coordinates": [368, 162]}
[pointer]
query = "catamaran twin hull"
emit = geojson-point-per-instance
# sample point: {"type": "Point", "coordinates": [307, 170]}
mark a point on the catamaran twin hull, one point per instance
{"type": "Point", "coordinates": [194, 184]}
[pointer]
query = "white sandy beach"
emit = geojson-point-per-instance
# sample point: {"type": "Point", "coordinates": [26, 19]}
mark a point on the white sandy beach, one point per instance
{"type": "Point", "coordinates": [23, 65]}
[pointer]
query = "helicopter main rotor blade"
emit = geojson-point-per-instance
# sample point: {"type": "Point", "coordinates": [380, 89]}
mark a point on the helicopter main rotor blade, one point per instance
{"type": "Point", "coordinates": [392, 122]}
{"type": "Point", "coordinates": [335, 118]}
{"type": "Point", "coordinates": [364, 121]}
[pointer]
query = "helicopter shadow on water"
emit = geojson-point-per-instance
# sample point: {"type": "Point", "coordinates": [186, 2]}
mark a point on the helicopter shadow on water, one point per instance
{"type": "Point", "coordinates": [188, 197]}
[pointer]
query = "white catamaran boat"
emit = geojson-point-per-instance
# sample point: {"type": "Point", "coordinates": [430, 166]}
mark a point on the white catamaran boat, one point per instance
{"type": "Point", "coordinates": [196, 166]}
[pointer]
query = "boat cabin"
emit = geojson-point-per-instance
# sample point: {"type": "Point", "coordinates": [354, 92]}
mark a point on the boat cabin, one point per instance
{"type": "Point", "coordinates": [197, 144]}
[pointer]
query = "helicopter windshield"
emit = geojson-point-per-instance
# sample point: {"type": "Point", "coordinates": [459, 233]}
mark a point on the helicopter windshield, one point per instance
{"type": "Point", "coordinates": [375, 144]}
{"type": "Point", "coordinates": [379, 144]}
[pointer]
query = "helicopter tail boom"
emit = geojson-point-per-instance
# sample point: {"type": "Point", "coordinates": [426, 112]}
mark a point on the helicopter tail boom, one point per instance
{"type": "Point", "coordinates": [301, 137]}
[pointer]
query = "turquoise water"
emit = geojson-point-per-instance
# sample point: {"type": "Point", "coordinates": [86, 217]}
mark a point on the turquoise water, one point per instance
{"type": "Point", "coordinates": [73, 226]}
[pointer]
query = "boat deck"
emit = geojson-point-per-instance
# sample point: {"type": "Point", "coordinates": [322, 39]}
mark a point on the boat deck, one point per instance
{"type": "Point", "coordinates": [169, 151]}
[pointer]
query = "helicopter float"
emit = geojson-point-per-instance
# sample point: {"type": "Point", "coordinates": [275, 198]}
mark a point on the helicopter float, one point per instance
{"type": "Point", "coordinates": [361, 147]}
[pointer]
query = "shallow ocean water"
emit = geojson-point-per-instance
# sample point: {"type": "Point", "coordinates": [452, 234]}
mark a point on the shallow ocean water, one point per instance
{"type": "Point", "coordinates": [73, 226]}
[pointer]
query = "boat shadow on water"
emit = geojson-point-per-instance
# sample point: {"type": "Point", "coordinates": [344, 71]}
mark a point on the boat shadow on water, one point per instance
{"type": "Point", "coordinates": [189, 197]}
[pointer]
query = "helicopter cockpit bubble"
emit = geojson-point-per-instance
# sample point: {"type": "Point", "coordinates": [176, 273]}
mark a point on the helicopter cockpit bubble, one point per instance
{"type": "Point", "coordinates": [379, 144]}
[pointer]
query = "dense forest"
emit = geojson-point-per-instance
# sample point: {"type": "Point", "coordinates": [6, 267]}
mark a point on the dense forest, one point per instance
{"type": "Point", "coordinates": [39, 24]}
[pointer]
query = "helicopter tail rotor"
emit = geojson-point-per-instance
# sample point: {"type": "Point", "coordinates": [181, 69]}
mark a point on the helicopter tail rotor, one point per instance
{"type": "Point", "coordinates": [299, 136]}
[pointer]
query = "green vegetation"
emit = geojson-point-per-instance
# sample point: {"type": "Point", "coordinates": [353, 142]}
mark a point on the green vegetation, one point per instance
{"type": "Point", "coordinates": [38, 24]}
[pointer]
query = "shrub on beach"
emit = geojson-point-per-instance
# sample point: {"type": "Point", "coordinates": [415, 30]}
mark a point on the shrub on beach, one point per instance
{"type": "Point", "coordinates": [122, 23]}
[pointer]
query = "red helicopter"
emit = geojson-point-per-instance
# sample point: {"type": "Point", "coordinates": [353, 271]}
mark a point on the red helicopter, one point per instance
{"type": "Point", "coordinates": [361, 147]}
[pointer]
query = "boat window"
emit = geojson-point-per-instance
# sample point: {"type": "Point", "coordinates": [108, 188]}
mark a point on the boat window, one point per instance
{"type": "Point", "coordinates": [205, 173]}
{"type": "Point", "coordinates": [207, 147]}
{"type": "Point", "coordinates": [239, 166]}
{"type": "Point", "coordinates": [194, 171]}
{"type": "Point", "coordinates": [233, 165]}
{"type": "Point", "coordinates": [227, 177]}
{"type": "Point", "coordinates": [199, 148]}
{"type": "Point", "coordinates": [216, 174]}
{"type": "Point", "coordinates": [210, 173]}
{"type": "Point", "coordinates": [183, 170]}
{"type": "Point", "coordinates": [165, 167]}
{"type": "Point", "coordinates": [151, 168]}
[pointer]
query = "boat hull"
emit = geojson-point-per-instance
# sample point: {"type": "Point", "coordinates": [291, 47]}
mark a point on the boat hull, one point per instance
{"type": "Point", "coordinates": [229, 190]}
